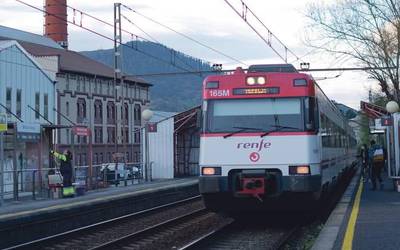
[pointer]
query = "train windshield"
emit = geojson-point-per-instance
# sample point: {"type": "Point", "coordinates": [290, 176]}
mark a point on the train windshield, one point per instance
{"type": "Point", "coordinates": [286, 114]}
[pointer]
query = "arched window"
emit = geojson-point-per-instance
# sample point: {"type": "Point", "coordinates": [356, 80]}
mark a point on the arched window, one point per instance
{"type": "Point", "coordinates": [81, 109]}
{"type": "Point", "coordinates": [126, 113]}
{"type": "Point", "coordinates": [110, 112]}
{"type": "Point", "coordinates": [98, 111]}
{"type": "Point", "coordinates": [137, 114]}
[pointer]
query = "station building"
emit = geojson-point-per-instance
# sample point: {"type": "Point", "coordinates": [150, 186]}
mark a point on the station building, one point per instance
{"type": "Point", "coordinates": [24, 87]}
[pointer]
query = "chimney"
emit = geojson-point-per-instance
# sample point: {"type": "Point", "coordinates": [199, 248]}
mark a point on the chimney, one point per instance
{"type": "Point", "coordinates": [55, 21]}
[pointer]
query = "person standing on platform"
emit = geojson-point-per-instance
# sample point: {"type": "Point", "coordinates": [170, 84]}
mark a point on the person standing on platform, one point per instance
{"type": "Point", "coordinates": [377, 162]}
{"type": "Point", "coordinates": [365, 162]}
{"type": "Point", "coordinates": [66, 171]}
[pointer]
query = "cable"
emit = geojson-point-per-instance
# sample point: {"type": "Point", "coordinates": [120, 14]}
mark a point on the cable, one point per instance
{"type": "Point", "coordinates": [101, 35]}
{"type": "Point", "coordinates": [124, 30]}
{"type": "Point", "coordinates": [184, 35]}
{"type": "Point", "coordinates": [269, 36]}
{"type": "Point", "coordinates": [171, 50]}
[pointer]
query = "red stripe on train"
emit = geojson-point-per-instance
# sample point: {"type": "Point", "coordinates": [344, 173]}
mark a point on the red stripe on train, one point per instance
{"type": "Point", "coordinates": [257, 134]}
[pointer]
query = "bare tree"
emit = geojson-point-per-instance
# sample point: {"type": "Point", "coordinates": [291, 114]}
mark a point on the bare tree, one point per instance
{"type": "Point", "coordinates": [365, 30]}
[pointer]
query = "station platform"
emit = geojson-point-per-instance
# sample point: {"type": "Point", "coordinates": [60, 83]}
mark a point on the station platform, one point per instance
{"type": "Point", "coordinates": [39, 218]}
{"type": "Point", "coordinates": [363, 219]}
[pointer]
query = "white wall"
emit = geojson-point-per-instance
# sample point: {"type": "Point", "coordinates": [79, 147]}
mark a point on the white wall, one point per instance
{"type": "Point", "coordinates": [161, 150]}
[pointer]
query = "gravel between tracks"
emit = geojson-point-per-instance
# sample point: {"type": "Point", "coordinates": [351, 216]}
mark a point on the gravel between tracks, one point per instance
{"type": "Point", "coordinates": [106, 233]}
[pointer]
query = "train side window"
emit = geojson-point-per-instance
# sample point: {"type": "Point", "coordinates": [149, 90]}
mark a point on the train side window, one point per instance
{"type": "Point", "coordinates": [311, 114]}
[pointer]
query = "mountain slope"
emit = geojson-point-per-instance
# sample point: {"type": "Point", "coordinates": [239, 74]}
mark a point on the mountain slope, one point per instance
{"type": "Point", "coordinates": [170, 92]}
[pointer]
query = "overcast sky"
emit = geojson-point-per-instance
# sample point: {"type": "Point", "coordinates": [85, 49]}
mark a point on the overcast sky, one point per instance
{"type": "Point", "coordinates": [212, 22]}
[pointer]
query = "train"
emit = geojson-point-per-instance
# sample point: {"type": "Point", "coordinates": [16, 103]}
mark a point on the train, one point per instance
{"type": "Point", "coordinates": [270, 139]}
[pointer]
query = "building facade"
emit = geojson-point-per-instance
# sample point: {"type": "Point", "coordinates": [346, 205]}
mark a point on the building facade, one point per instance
{"type": "Point", "coordinates": [86, 95]}
{"type": "Point", "coordinates": [24, 87]}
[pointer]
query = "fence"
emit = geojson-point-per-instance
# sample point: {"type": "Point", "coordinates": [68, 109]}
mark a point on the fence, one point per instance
{"type": "Point", "coordinates": [35, 182]}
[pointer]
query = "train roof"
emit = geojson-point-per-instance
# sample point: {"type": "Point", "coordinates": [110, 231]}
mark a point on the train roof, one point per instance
{"type": "Point", "coordinates": [284, 68]}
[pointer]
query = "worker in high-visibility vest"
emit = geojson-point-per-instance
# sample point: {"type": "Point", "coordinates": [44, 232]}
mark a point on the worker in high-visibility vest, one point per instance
{"type": "Point", "coordinates": [66, 171]}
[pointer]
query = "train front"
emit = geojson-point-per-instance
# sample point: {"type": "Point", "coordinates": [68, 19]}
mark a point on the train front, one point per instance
{"type": "Point", "coordinates": [259, 141]}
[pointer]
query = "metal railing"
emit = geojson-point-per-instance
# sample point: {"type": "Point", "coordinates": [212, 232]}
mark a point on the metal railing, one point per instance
{"type": "Point", "coordinates": [34, 183]}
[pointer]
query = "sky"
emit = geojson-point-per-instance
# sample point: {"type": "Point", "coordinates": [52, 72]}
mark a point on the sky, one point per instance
{"type": "Point", "coordinates": [211, 22]}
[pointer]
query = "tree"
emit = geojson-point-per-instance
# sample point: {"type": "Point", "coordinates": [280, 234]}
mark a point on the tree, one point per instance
{"type": "Point", "coordinates": [367, 31]}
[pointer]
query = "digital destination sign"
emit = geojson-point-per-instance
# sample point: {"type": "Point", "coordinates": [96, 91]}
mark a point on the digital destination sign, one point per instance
{"type": "Point", "coordinates": [256, 91]}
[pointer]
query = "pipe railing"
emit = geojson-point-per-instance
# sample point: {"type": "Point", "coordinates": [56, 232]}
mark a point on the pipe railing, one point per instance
{"type": "Point", "coordinates": [35, 181]}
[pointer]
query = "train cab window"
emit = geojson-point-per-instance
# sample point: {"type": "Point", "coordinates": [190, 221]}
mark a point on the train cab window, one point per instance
{"type": "Point", "coordinates": [256, 114]}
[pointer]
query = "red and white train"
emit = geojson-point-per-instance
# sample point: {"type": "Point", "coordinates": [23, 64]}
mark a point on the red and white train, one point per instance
{"type": "Point", "coordinates": [270, 137]}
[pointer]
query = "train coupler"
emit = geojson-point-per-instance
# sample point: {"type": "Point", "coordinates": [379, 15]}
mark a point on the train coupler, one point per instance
{"type": "Point", "coordinates": [253, 186]}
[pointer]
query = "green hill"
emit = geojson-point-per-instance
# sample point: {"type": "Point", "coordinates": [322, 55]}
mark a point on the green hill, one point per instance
{"type": "Point", "coordinates": [170, 92]}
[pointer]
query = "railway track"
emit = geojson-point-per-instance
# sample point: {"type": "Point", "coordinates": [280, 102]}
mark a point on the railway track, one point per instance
{"type": "Point", "coordinates": [163, 235]}
{"type": "Point", "coordinates": [239, 235]}
{"type": "Point", "coordinates": [100, 233]}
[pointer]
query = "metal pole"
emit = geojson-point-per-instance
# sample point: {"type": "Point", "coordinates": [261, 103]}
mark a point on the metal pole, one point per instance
{"type": "Point", "coordinates": [1, 169]}
{"type": "Point", "coordinates": [146, 133]}
{"type": "Point", "coordinates": [15, 176]}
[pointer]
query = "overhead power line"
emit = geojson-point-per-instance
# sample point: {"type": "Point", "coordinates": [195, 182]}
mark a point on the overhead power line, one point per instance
{"type": "Point", "coordinates": [185, 36]}
{"type": "Point", "coordinates": [269, 37]}
{"type": "Point", "coordinates": [232, 70]}
{"type": "Point", "coordinates": [102, 35]}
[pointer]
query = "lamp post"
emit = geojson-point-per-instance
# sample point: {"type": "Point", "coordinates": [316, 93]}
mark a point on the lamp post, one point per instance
{"type": "Point", "coordinates": [146, 116]}
{"type": "Point", "coordinates": [392, 107]}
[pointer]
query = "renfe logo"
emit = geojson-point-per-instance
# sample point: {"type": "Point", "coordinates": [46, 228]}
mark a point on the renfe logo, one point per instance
{"type": "Point", "coordinates": [254, 145]}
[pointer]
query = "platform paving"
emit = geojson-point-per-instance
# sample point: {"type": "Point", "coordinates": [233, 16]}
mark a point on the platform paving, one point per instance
{"type": "Point", "coordinates": [377, 224]}
{"type": "Point", "coordinates": [378, 221]}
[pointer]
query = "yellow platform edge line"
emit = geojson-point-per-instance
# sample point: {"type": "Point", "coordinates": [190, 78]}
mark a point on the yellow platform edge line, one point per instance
{"type": "Point", "coordinates": [348, 238]}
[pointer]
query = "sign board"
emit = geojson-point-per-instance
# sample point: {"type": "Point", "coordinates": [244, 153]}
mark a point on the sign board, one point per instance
{"type": "Point", "coordinates": [28, 131]}
{"type": "Point", "coordinates": [152, 127]}
{"type": "Point", "coordinates": [386, 121]}
{"type": "Point", "coordinates": [81, 131]}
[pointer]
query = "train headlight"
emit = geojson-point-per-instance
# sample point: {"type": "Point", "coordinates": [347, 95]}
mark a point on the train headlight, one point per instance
{"type": "Point", "coordinates": [261, 80]}
{"type": "Point", "coordinates": [211, 171]}
{"type": "Point", "coordinates": [299, 170]}
{"type": "Point", "coordinates": [251, 80]}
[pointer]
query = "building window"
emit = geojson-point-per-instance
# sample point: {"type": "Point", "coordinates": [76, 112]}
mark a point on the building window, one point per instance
{"type": "Point", "coordinates": [137, 114]}
{"type": "Point", "coordinates": [19, 105]}
{"type": "Point", "coordinates": [111, 135]}
{"type": "Point", "coordinates": [126, 114]}
{"type": "Point", "coordinates": [98, 111]}
{"type": "Point", "coordinates": [37, 105]}
{"type": "Point", "coordinates": [98, 135]}
{"type": "Point", "coordinates": [137, 137]}
{"type": "Point", "coordinates": [100, 87]}
{"type": "Point", "coordinates": [67, 83]}
{"type": "Point", "coordinates": [101, 158]}
{"type": "Point", "coordinates": [110, 112]}
{"type": "Point", "coordinates": [46, 106]}
{"type": "Point", "coordinates": [67, 108]}
{"type": "Point", "coordinates": [78, 84]}
{"type": "Point", "coordinates": [83, 84]}
{"type": "Point", "coordinates": [81, 110]}
{"type": "Point", "coordinates": [8, 100]}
